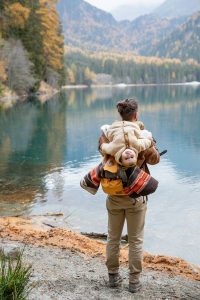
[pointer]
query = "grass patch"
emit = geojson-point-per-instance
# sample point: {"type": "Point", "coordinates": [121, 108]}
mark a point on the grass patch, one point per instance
{"type": "Point", "coordinates": [14, 277]}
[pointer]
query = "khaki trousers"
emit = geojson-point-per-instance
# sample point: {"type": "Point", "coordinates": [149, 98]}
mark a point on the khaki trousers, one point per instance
{"type": "Point", "coordinates": [133, 211]}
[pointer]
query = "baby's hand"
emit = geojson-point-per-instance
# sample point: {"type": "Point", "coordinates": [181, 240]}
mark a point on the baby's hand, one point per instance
{"type": "Point", "coordinates": [141, 125]}
{"type": "Point", "coordinates": [105, 128]}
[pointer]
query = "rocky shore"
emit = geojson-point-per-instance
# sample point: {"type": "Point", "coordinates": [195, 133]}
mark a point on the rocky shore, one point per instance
{"type": "Point", "coordinates": [44, 93]}
{"type": "Point", "coordinates": [67, 265]}
{"type": "Point", "coordinates": [8, 102]}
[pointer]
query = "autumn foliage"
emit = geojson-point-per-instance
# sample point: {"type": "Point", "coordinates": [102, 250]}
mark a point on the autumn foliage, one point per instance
{"type": "Point", "coordinates": [127, 67]}
{"type": "Point", "coordinates": [33, 29]}
{"type": "Point", "coordinates": [16, 16]}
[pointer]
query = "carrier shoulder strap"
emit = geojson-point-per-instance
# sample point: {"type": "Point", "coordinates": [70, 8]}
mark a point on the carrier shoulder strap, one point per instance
{"type": "Point", "coordinates": [126, 139]}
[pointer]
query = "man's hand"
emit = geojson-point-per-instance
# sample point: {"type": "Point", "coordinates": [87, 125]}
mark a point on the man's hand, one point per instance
{"type": "Point", "coordinates": [150, 156]}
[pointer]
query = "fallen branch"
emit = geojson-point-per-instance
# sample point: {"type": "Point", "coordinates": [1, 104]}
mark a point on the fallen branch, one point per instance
{"type": "Point", "coordinates": [44, 215]}
{"type": "Point", "coordinates": [49, 225]}
{"type": "Point", "coordinates": [102, 236]}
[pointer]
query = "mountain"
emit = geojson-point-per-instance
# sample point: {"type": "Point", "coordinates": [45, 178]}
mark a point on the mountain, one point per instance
{"type": "Point", "coordinates": [90, 28]}
{"type": "Point", "coordinates": [147, 30]}
{"type": "Point", "coordinates": [87, 26]}
{"type": "Point", "coordinates": [131, 12]}
{"type": "Point", "coordinates": [183, 43]}
{"type": "Point", "coordinates": [177, 8]}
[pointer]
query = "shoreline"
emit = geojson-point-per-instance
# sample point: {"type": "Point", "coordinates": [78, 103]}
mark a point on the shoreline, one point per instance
{"type": "Point", "coordinates": [124, 85]}
{"type": "Point", "coordinates": [45, 93]}
{"type": "Point", "coordinates": [66, 274]}
{"type": "Point", "coordinates": [8, 101]}
{"type": "Point", "coordinates": [37, 231]}
{"type": "Point", "coordinates": [119, 85]}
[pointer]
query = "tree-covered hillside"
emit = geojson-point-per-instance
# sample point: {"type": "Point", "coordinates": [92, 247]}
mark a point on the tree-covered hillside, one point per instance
{"type": "Point", "coordinates": [90, 28]}
{"type": "Point", "coordinates": [177, 8]}
{"type": "Point", "coordinates": [182, 43]}
{"type": "Point", "coordinates": [109, 68]}
{"type": "Point", "coordinates": [87, 26]}
{"type": "Point", "coordinates": [31, 44]}
{"type": "Point", "coordinates": [146, 31]}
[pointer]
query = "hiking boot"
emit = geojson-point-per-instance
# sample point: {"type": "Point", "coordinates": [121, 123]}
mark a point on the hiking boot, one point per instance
{"type": "Point", "coordinates": [134, 287]}
{"type": "Point", "coordinates": [114, 280]}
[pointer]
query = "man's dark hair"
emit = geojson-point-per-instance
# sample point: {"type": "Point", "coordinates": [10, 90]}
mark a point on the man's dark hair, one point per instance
{"type": "Point", "coordinates": [127, 108]}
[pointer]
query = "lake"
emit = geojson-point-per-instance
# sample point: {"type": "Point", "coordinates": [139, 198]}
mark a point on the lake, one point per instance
{"type": "Point", "coordinates": [46, 148]}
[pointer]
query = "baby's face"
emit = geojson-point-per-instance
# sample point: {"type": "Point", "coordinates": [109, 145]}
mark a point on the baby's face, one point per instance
{"type": "Point", "coordinates": [128, 158]}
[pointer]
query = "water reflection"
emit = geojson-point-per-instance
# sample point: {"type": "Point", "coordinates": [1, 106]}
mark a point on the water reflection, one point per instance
{"type": "Point", "coordinates": [171, 113]}
{"type": "Point", "coordinates": [32, 144]}
{"type": "Point", "coordinates": [45, 149]}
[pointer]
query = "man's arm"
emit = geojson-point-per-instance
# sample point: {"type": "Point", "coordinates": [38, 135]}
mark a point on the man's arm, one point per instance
{"type": "Point", "coordinates": [150, 156]}
{"type": "Point", "coordinates": [103, 139]}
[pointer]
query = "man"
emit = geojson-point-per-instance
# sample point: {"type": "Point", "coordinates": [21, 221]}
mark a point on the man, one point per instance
{"type": "Point", "coordinates": [121, 208]}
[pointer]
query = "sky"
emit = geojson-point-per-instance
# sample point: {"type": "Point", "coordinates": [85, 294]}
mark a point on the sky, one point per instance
{"type": "Point", "coordinates": [109, 5]}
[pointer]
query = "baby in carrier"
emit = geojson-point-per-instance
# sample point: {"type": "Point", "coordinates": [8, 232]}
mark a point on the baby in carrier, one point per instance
{"type": "Point", "coordinates": [119, 172]}
{"type": "Point", "coordinates": [126, 138]}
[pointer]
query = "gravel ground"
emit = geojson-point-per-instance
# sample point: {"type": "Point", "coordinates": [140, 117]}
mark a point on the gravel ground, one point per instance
{"type": "Point", "coordinates": [61, 274]}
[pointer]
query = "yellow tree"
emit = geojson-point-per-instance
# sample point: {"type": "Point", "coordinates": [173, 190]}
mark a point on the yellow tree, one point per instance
{"type": "Point", "coordinates": [52, 39]}
{"type": "Point", "coordinates": [89, 76]}
{"type": "Point", "coordinates": [71, 76]}
{"type": "Point", "coordinates": [16, 15]}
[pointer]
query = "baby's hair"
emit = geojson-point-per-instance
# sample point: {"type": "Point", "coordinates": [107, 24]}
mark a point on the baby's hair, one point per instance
{"type": "Point", "coordinates": [127, 108]}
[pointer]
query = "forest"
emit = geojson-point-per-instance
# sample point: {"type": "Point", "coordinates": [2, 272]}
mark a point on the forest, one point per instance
{"type": "Point", "coordinates": [31, 45]}
{"type": "Point", "coordinates": [87, 68]}
{"type": "Point", "coordinates": [32, 50]}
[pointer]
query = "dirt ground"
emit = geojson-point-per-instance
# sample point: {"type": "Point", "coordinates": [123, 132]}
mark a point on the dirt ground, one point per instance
{"type": "Point", "coordinates": [67, 265]}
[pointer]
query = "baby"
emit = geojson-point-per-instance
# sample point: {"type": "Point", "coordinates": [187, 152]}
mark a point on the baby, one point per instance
{"type": "Point", "coordinates": [127, 138]}
{"type": "Point", "coordinates": [124, 140]}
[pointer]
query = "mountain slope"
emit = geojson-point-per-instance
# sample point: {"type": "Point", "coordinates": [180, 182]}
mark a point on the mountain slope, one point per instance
{"type": "Point", "coordinates": [146, 31]}
{"type": "Point", "coordinates": [177, 8]}
{"type": "Point", "coordinates": [91, 28]}
{"type": "Point", "coordinates": [183, 43]}
{"type": "Point", "coordinates": [87, 26]}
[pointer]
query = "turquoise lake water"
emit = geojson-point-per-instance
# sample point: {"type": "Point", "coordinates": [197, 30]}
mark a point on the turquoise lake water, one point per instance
{"type": "Point", "coordinates": [46, 148]}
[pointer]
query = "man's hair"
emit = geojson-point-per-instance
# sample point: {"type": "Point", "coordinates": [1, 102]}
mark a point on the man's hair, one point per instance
{"type": "Point", "coordinates": [127, 108]}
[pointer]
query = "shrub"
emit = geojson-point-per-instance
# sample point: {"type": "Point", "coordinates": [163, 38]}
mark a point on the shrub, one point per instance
{"type": "Point", "coordinates": [14, 277]}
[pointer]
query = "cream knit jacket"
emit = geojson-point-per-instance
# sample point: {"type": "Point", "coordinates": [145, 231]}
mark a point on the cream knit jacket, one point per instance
{"type": "Point", "coordinates": [117, 144]}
